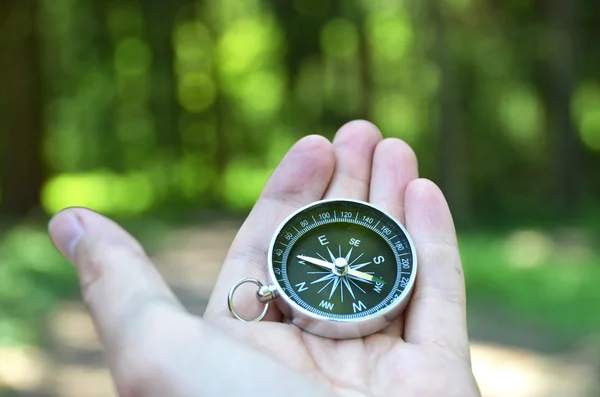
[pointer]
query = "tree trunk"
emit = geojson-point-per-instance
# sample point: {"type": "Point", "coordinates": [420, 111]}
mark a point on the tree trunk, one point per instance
{"type": "Point", "coordinates": [567, 147]}
{"type": "Point", "coordinates": [160, 19]}
{"type": "Point", "coordinates": [22, 171]}
{"type": "Point", "coordinates": [451, 164]}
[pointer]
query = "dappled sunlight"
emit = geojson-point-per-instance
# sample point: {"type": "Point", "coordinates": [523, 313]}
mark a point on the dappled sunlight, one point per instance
{"type": "Point", "coordinates": [398, 115]}
{"type": "Point", "coordinates": [390, 37]}
{"type": "Point", "coordinates": [339, 39]}
{"type": "Point", "coordinates": [521, 114]}
{"type": "Point", "coordinates": [72, 326]}
{"type": "Point", "coordinates": [247, 45]}
{"type": "Point", "coordinates": [102, 191]}
{"type": "Point", "coordinates": [79, 380]}
{"type": "Point", "coordinates": [503, 371]}
{"type": "Point", "coordinates": [22, 368]}
{"type": "Point", "coordinates": [261, 94]}
{"type": "Point", "coordinates": [196, 92]}
{"type": "Point", "coordinates": [243, 182]}
{"type": "Point", "coordinates": [528, 248]}
{"type": "Point", "coordinates": [132, 57]}
{"type": "Point", "coordinates": [586, 107]}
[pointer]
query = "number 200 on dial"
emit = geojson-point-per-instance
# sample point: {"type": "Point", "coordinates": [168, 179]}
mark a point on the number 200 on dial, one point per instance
{"type": "Point", "coordinates": [342, 268]}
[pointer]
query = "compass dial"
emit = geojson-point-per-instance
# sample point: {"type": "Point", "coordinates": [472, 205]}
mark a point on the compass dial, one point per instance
{"type": "Point", "coordinates": [342, 260]}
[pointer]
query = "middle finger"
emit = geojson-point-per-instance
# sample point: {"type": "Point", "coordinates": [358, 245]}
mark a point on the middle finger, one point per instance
{"type": "Point", "coordinates": [354, 145]}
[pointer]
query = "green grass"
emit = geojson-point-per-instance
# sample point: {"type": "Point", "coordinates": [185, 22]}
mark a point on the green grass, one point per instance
{"type": "Point", "coordinates": [549, 278]}
{"type": "Point", "coordinates": [33, 276]}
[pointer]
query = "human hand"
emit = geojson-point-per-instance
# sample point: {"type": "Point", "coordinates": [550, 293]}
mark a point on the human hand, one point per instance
{"type": "Point", "coordinates": [156, 348]}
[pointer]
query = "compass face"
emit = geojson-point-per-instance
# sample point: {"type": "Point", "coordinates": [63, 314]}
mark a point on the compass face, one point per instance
{"type": "Point", "coordinates": [342, 260]}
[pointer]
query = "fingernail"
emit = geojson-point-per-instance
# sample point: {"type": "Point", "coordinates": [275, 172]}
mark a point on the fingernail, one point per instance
{"type": "Point", "coordinates": [66, 231]}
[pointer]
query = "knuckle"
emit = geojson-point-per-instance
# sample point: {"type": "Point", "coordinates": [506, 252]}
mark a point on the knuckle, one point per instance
{"type": "Point", "coordinates": [99, 267]}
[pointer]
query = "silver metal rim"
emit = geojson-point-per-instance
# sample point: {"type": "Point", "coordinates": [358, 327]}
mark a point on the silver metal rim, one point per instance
{"type": "Point", "coordinates": [400, 302]}
{"type": "Point", "coordinates": [230, 300]}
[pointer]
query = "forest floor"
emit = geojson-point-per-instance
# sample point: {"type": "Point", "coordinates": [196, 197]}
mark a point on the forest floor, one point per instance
{"type": "Point", "coordinates": [510, 357]}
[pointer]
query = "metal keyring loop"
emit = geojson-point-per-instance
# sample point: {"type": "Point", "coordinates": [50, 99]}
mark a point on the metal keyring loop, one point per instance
{"type": "Point", "coordinates": [230, 300]}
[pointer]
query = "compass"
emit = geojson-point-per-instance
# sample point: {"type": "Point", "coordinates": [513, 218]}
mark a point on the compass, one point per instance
{"type": "Point", "coordinates": [339, 269]}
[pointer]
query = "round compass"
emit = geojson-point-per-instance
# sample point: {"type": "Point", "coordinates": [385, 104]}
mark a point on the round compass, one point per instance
{"type": "Point", "coordinates": [340, 268]}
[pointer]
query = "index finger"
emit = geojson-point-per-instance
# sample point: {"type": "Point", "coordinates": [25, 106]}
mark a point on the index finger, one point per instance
{"type": "Point", "coordinates": [301, 178]}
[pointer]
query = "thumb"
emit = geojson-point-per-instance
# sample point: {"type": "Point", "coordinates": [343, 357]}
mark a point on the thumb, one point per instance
{"type": "Point", "coordinates": [152, 349]}
{"type": "Point", "coordinates": [120, 286]}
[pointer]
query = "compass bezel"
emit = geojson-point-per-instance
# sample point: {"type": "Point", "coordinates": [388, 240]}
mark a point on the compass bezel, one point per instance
{"type": "Point", "coordinates": [341, 328]}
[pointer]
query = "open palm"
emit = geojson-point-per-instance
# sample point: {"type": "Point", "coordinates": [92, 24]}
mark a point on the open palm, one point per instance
{"type": "Point", "coordinates": [156, 348]}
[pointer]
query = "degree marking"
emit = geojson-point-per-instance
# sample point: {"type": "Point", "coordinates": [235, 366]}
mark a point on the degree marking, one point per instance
{"type": "Point", "coordinates": [388, 301]}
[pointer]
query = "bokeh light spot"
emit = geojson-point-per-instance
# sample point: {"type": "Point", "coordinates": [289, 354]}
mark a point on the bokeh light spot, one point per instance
{"type": "Point", "coordinates": [339, 38]}
{"type": "Point", "coordinates": [102, 191]}
{"type": "Point", "coordinates": [527, 248]}
{"type": "Point", "coordinates": [132, 57]}
{"type": "Point", "coordinates": [390, 35]}
{"type": "Point", "coordinates": [397, 116]}
{"type": "Point", "coordinates": [262, 94]}
{"type": "Point", "coordinates": [521, 113]}
{"type": "Point", "coordinates": [196, 92]}
{"type": "Point", "coordinates": [586, 109]}
{"type": "Point", "coordinates": [124, 19]}
{"type": "Point", "coordinates": [246, 43]}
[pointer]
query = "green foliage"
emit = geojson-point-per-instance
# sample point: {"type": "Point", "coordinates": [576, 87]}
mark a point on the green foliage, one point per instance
{"type": "Point", "coordinates": [33, 277]}
{"type": "Point", "coordinates": [153, 107]}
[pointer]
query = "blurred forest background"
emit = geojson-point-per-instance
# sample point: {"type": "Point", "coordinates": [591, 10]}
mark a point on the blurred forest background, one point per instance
{"type": "Point", "coordinates": [166, 113]}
